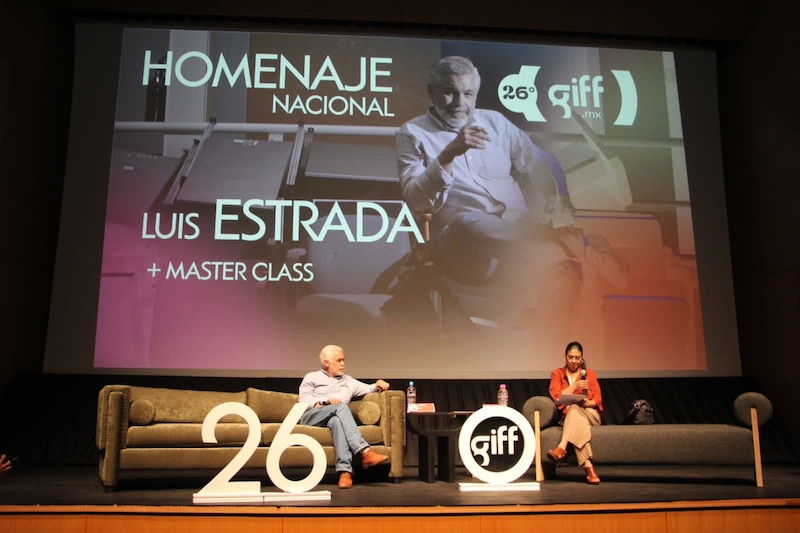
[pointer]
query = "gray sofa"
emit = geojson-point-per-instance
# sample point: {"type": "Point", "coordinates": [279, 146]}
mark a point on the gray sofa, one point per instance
{"type": "Point", "coordinates": [146, 428]}
{"type": "Point", "coordinates": [660, 444]}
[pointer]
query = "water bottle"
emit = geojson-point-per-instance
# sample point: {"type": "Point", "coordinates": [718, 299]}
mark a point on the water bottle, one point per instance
{"type": "Point", "coordinates": [411, 393]}
{"type": "Point", "coordinates": [502, 395]}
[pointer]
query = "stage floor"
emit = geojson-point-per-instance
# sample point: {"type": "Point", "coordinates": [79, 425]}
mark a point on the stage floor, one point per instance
{"type": "Point", "coordinates": [80, 485]}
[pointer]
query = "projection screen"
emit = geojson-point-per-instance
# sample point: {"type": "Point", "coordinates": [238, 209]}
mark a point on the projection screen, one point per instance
{"type": "Point", "coordinates": [233, 202]}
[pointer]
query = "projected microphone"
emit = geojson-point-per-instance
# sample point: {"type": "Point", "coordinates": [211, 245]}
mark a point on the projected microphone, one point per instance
{"type": "Point", "coordinates": [583, 376]}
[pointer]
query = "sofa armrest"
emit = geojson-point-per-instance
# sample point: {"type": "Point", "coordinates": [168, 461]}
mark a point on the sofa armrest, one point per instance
{"type": "Point", "coordinates": [393, 416]}
{"type": "Point", "coordinates": [113, 407]}
{"type": "Point", "coordinates": [752, 400]}
{"type": "Point", "coordinates": [112, 414]}
{"type": "Point", "coordinates": [393, 427]}
{"type": "Point", "coordinates": [548, 412]}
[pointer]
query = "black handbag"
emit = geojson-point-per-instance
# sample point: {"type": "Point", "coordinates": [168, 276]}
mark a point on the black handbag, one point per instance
{"type": "Point", "coordinates": [641, 412]}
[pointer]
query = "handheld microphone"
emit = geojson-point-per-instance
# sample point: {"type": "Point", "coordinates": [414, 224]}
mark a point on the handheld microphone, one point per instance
{"type": "Point", "coordinates": [583, 376]}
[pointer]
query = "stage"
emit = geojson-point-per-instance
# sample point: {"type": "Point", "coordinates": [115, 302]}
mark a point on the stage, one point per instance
{"type": "Point", "coordinates": [56, 486]}
{"type": "Point", "coordinates": [652, 498]}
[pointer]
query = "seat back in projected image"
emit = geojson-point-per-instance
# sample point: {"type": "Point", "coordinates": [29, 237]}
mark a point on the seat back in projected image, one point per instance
{"type": "Point", "coordinates": [352, 282]}
{"type": "Point", "coordinates": [657, 311]}
{"type": "Point", "coordinates": [348, 170]}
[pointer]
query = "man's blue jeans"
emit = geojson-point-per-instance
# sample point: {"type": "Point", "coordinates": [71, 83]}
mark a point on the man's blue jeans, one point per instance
{"type": "Point", "coordinates": [347, 439]}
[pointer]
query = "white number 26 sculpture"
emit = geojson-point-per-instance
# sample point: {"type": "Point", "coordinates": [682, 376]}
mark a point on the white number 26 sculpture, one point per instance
{"type": "Point", "coordinates": [222, 490]}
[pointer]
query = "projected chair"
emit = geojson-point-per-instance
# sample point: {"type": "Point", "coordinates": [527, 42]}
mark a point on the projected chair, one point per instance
{"type": "Point", "coordinates": [347, 299]}
{"type": "Point", "coordinates": [647, 305]}
{"type": "Point", "coordinates": [125, 318]}
{"type": "Point", "coordinates": [501, 315]}
{"type": "Point", "coordinates": [596, 179]}
{"type": "Point", "coordinates": [657, 310]}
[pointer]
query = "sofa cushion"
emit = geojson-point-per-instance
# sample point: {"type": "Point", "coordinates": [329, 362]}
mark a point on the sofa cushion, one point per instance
{"type": "Point", "coordinates": [184, 435]}
{"type": "Point", "coordinates": [690, 444]}
{"type": "Point", "coordinates": [142, 413]}
{"type": "Point", "coordinates": [372, 434]}
{"type": "Point", "coordinates": [365, 412]}
{"type": "Point", "coordinates": [185, 406]}
{"type": "Point", "coordinates": [270, 406]}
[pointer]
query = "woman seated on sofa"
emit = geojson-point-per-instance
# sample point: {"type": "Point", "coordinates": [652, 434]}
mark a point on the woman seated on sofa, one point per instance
{"type": "Point", "coordinates": [577, 418]}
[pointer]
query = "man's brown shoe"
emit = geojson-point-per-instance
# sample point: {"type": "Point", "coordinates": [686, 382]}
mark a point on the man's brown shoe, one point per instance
{"type": "Point", "coordinates": [345, 480]}
{"type": "Point", "coordinates": [557, 454]}
{"type": "Point", "coordinates": [370, 458]}
{"type": "Point", "coordinates": [591, 476]}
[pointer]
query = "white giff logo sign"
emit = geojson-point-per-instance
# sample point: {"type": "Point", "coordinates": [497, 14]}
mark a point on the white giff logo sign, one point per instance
{"type": "Point", "coordinates": [518, 93]}
{"type": "Point", "coordinates": [504, 439]}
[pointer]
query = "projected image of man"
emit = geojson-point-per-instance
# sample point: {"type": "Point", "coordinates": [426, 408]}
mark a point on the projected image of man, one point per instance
{"type": "Point", "coordinates": [500, 204]}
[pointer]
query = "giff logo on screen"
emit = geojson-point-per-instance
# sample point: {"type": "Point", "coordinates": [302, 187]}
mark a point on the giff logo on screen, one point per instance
{"type": "Point", "coordinates": [518, 93]}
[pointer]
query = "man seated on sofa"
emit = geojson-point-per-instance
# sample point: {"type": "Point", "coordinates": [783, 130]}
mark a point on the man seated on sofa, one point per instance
{"type": "Point", "coordinates": [327, 392]}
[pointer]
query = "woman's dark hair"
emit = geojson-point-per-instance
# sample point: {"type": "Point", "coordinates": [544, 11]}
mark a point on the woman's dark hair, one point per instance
{"type": "Point", "coordinates": [573, 344]}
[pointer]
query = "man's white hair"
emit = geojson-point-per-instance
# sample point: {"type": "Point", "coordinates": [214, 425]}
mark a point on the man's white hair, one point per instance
{"type": "Point", "coordinates": [329, 352]}
{"type": "Point", "coordinates": [446, 67]}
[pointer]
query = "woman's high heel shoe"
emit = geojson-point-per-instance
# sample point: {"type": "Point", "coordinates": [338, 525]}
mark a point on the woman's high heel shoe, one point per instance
{"type": "Point", "coordinates": [557, 454]}
{"type": "Point", "coordinates": [591, 476]}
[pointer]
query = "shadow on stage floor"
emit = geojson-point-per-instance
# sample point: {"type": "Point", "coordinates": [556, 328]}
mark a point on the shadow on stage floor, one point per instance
{"type": "Point", "coordinates": [80, 485]}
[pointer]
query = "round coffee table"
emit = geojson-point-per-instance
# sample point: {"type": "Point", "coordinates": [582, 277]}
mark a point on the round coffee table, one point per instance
{"type": "Point", "coordinates": [437, 432]}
